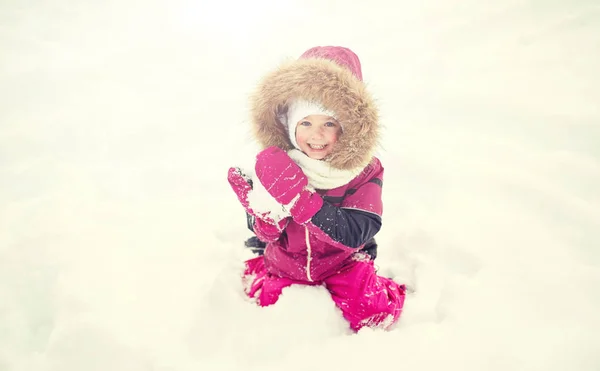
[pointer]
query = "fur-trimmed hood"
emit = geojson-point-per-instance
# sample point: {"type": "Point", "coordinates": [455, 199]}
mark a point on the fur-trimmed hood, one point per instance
{"type": "Point", "coordinates": [337, 89]}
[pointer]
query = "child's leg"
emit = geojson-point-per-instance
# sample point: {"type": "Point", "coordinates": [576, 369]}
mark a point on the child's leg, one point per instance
{"type": "Point", "coordinates": [365, 298]}
{"type": "Point", "coordinates": [261, 285]}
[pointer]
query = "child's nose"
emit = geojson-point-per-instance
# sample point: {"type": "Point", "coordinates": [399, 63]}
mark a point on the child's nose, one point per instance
{"type": "Point", "coordinates": [318, 132]}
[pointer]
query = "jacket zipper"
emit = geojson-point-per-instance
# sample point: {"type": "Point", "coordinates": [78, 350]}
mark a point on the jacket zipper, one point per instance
{"type": "Point", "coordinates": [308, 255]}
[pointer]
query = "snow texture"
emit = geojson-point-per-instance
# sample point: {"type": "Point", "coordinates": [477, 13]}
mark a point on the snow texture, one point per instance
{"type": "Point", "coordinates": [121, 241]}
{"type": "Point", "coordinates": [261, 201]}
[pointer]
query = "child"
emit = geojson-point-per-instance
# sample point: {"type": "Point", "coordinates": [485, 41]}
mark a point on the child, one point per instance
{"type": "Point", "coordinates": [319, 128]}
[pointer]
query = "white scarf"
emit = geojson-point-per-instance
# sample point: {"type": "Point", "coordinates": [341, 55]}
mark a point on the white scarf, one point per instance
{"type": "Point", "coordinates": [320, 173]}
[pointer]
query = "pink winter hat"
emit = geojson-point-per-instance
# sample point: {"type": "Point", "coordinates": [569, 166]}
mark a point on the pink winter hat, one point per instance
{"type": "Point", "coordinates": [340, 55]}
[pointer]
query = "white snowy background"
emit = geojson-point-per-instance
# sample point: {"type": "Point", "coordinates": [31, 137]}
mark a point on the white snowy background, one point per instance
{"type": "Point", "coordinates": [121, 241]}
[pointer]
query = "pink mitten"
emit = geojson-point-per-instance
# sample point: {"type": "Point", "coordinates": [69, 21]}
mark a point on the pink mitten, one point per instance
{"type": "Point", "coordinates": [268, 231]}
{"type": "Point", "coordinates": [305, 206]}
{"type": "Point", "coordinates": [241, 186]}
{"type": "Point", "coordinates": [280, 175]}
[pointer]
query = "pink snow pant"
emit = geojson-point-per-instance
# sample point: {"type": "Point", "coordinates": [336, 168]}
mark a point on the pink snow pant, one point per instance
{"type": "Point", "coordinates": [365, 298]}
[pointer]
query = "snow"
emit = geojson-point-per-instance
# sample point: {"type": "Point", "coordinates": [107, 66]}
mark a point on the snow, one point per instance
{"type": "Point", "coordinates": [261, 201]}
{"type": "Point", "coordinates": [121, 241]}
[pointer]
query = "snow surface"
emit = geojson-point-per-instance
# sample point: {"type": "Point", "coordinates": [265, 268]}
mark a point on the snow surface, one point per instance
{"type": "Point", "coordinates": [121, 242]}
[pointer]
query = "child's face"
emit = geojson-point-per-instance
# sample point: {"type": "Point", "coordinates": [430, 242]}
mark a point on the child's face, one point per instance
{"type": "Point", "coordinates": [316, 135]}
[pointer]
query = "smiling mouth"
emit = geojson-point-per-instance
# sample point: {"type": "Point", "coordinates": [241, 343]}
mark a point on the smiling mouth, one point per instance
{"type": "Point", "coordinates": [317, 147]}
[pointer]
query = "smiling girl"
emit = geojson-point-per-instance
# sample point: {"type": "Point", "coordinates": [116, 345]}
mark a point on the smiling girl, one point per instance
{"type": "Point", "coordinates": [318, 127]}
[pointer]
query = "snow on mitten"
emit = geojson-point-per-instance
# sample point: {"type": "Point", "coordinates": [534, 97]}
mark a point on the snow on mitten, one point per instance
{"type": "Point", "coordinates": [255, 199]}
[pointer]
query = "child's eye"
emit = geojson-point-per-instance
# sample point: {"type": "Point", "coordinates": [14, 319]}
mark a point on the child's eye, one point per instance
{"type": "Point", "coordinates": [305, 123]}
{"type": "Point", "coordinates": [330, 124]}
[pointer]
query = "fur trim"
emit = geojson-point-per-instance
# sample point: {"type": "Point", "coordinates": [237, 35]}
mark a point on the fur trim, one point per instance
{"type": "Point", "coordinates": [337, 89]}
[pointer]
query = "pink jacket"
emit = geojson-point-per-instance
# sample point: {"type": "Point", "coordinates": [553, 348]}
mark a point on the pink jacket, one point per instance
{"type": "Point", "coordinates": [350, 216]}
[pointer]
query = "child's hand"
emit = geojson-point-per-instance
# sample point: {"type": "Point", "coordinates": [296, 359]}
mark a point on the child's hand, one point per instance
{"type": "Point", "coordinates": [280, 175]}
{"type": "Point", "coordinates": [269, 231]}
{"type": "Point", "coordinates": [240, 184]}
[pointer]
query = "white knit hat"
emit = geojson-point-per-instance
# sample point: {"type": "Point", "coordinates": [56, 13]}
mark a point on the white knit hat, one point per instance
{"type": "Point", "coordinates": [299, 109]}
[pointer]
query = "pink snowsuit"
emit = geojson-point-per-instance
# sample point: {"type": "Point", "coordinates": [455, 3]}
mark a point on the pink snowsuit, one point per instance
{"type": "Point", "coordinates": [319, 244]}
{"type": "Point", "coordinates": [306, 254]}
